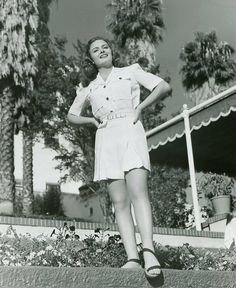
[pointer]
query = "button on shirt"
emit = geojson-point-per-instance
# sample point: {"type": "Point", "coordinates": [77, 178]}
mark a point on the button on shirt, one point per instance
{"type": "Point", "coordinates": [121, 91]}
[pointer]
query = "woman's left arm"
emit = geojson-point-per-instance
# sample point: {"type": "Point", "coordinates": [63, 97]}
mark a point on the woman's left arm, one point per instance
{"type": "Point", "coordinates": [158, 93]}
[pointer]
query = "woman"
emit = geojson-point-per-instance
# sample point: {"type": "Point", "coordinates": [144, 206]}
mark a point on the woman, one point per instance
{"type": "Point", "coordinates": [121, 153]}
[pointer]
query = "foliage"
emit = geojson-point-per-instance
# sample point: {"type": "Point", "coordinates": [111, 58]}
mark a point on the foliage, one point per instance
{"type": "Point", "coordinates": [34, 107]}
{"type": "Point", "coordinates": [188, 216]}
{"type": "Point", "coordinates": [212, 184]}
{"type": "Point", "coordinates": [208, 66]}
{"type": "Point", "coordinates": [136, 20]}
{"type": "Point", "coordinates": [60, 80]}
{"type": "Point", "coordinates": [18, 50]}
{"type": "Point", "coordinates": [101, 249]}
{"type": "Point", "coordinates": [167, 195]}
{"type": "Point", "coordinates": [190, 258]}
{"type": "Point", "coordinates": [62, 249]}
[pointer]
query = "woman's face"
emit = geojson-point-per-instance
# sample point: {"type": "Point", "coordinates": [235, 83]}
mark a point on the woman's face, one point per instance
{"type": "Point", "coordinates": [101, 53]}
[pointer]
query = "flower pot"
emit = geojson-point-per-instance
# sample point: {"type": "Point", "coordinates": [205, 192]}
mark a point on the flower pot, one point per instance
{"type": "Point", "coordinates": [221, 204]}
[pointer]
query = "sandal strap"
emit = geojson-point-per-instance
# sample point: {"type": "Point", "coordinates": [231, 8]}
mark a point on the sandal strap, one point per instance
{"type": "Point", "coordinates": [134, 260]}
{"type": "Point", "coordinates": [149, 250]}
{"type": "Point", "coordinates": [153, 267]}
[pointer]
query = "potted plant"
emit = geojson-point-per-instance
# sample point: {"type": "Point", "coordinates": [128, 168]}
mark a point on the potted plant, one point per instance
{"type": "Point", "coordinates": [218, 188]}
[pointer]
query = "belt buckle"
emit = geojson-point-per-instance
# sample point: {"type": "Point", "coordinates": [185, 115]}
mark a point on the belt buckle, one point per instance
{"type": "Point", "coordinates": [116, 116]}
{"type": "Point", "coordinates": [110, 117]}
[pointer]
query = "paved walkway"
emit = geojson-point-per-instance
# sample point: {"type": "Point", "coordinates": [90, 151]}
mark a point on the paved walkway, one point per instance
{"type": "Point", "coordinates": [50, 277]}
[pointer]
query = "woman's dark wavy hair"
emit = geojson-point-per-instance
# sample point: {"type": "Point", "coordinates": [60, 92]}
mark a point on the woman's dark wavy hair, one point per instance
{"type": "Point", "coordinates": [89, 69]}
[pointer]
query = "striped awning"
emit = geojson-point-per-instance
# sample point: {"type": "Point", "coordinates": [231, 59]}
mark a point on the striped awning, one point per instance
{"type": "Point", "coordinates": [213, 133]}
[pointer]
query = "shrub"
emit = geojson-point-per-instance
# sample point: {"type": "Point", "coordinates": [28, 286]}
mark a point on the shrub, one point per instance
{"type": "Point", "coordinates": [212, 184]}
{"type": "Point", "coordinates": [167, 195]}
{"type": "Point", "coordinates": [101, 249]}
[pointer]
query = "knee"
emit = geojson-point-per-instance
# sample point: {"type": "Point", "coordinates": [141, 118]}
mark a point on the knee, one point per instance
{"type": "Point", "coordinates": [122, 204]}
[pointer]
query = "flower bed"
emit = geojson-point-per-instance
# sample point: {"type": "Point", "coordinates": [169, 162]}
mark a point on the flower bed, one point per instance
{"type": "Point", "coordinates": [64, 248]}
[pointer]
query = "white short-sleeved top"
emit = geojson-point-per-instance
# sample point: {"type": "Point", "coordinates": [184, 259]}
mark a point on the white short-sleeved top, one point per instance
{"type": "Point", "coordinates": [121, 91]}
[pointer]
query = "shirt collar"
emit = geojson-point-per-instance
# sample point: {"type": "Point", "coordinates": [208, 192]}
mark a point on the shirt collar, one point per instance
{"type": "Point", "coordinates": [99, 79]}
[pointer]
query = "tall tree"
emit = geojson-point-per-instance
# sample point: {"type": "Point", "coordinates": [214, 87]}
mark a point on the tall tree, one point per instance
{"type": "Point", "coordinates": [137, 27]}
{"type": "Point", "coordinates": [18, 53]}
{"type": "Point", "coordinates": [33, 111]}
{"type": "Point", "coordinates": [208, 66]}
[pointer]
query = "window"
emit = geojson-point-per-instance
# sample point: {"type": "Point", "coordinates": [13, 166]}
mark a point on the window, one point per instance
{"type": "Point", "coordinates": [52, 186]}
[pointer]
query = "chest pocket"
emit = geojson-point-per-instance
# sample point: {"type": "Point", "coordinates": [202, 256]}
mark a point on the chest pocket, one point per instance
{"type": "Point", "coordinates": [121, 91]}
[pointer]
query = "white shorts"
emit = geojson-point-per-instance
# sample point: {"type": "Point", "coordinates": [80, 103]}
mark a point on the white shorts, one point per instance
{"type": "Point", "coordinates": [120, 146]}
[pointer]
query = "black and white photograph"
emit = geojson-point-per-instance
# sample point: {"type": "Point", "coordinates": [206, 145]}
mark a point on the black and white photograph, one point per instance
{"type": "Point", "coordinates": [117, 143]}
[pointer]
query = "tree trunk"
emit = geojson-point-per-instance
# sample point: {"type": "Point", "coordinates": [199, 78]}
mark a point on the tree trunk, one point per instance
{"type": "Point", "coordinates": [27, 193]}
{"type": "Point", "coordinates": [106, 204]}
{"type": "Point", "coordinates": [7, 181]}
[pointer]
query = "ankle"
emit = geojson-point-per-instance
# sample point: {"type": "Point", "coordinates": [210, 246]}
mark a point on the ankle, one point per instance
{"type": "Point", "coordinates": [132, 263]}
{"type": "Point", "coordinates": [148, 246]}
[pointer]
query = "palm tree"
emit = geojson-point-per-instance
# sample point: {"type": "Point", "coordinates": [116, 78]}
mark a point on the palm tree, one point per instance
{"type": "Point", "coordinates": [137, 26]}
{"type": "Point", "coordinates": [208, 66]}
{"type": "Point", "coordinates": [33, 126]}
{"type": "Point", "coordinates": [18, 53]}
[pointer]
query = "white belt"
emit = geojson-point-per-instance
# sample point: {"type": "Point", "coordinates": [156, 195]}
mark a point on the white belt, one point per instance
{"type": "Point", "coordinates": [118, 115]}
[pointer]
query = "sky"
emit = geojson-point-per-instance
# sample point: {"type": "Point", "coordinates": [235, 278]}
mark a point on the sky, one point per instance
{"type": "Point", "coordinates": [83, 19]}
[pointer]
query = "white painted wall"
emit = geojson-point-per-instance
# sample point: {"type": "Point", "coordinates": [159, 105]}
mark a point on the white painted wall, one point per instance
{"type": "Point", "coordinates": [43, 167]}
{"type": "Point", "coordinates": [74, 206]}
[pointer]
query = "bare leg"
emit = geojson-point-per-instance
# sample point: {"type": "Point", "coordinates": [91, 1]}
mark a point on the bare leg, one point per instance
{"type": "Point", "coordinates": [136, 181]}
{"type": "Point", "coordinates": [120, 198]}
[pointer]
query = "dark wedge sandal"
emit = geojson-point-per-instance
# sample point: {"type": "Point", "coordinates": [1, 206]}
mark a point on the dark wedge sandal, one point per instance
{"type": "Point", "coordinates": [148, 270]}
{"type": "Point", "coordinates": [134, 260]}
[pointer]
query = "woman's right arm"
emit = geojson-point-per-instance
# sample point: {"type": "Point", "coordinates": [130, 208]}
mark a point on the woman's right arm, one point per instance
{"type": "Point", "coordinates": [80, 120]}
{"type": "Point", "coordinates": [74, 114]}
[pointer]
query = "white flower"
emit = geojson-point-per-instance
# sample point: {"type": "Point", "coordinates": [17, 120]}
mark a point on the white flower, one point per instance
{"type": "Point", "coordinates": [49, 248]}
{"type": "Point", "coordinates": [44, 262]}
{"type": "Point", "coordinates": [5, 261]}
{"type": "Point", "coordinates": [40, 253]}
{"type": "Point", "coordinates": [31, 256]}
{"type": "Point", "coordinates": [7, 253]}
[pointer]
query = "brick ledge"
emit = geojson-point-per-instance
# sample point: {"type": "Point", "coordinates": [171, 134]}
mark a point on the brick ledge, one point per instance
{"type": "Point", "coordinates": [112, 227]}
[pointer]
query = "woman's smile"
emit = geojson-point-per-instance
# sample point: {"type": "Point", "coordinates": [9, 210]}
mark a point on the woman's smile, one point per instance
{"type": "Point", "coordinates": [104, 55]}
